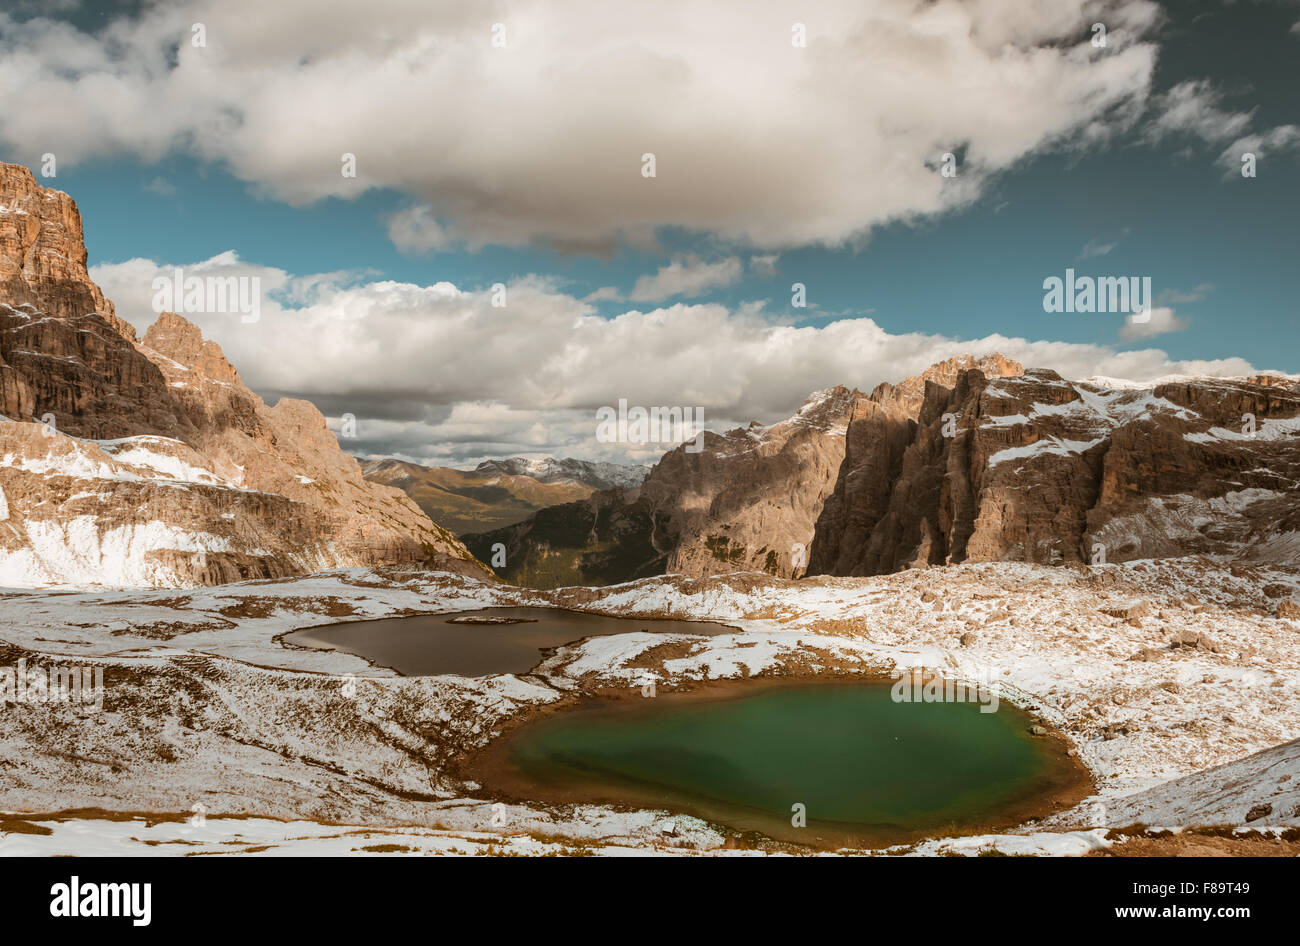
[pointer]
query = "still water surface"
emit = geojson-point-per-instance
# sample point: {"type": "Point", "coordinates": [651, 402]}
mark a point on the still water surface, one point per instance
{"type": "Point", "coordinates": [428, 644]}
{"type": "Point", "coordinates": [866, 769]}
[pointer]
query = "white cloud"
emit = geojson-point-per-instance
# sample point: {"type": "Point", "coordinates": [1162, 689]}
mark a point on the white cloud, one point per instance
{"type": "Point", "coordinates": [1277, 140]}
{"type": "Point", "coordinates": [160, 186]}
{"type": "Point", "coordinates": [757, 142]}
{"type": "Point", "coordinates": [764, 264]}
{"type": "Point", "coordinates": [436, 373]}
{"type": "Point", "coordinates": [686, 277]}
{"type": "Point", "coordinates": [1162, 320]}
{"type": "Point", "coordinates": [1192, 108]}
{"type": "Point", "coordinates": [414, 230]}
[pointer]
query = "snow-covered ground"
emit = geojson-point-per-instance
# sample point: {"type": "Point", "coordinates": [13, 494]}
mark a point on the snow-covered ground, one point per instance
{"type": "Point", "coordinates": [1157, 673]}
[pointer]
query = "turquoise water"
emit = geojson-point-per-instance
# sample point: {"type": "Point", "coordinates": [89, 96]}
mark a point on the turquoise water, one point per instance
{"type": "Point", "coordinates": [860, 763]}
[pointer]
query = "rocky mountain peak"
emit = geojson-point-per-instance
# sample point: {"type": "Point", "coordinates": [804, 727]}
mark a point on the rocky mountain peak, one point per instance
{"type": "Point", "coordinates": [1033, 467]}
{"type": "Point", "coordinates": [128, 462]}
{"type": "Point", "coordinates": [174, 337]}
{"type": "Point", "coordinates": [994, 365]}
{"type": "Point", "coordinates": [43, 252]}
{"type": "Point", "coordinates": [826, 408]}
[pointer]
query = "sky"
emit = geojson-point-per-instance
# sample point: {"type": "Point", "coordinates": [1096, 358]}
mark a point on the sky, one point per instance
{"type": "Point", "coordinates": [503, 144]}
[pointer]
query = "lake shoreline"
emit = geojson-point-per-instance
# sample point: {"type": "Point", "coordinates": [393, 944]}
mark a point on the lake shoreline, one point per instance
{"type": "Point", "coordinates": [1066, 783]}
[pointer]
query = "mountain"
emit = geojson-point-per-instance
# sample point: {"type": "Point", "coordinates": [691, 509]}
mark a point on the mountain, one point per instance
{"type": "Point", "coordinates": [498, 493]}
{"type": "Point", "coordinates": [591, 473]}
{"type": "Point", "coordinates": [746, 501]}
{"type": "Point", "coordinates": [127, 461]}
{"type": "Point", "coordinates": [1040, 469]}
{"type": "Point", "coordinates": [973, 460]}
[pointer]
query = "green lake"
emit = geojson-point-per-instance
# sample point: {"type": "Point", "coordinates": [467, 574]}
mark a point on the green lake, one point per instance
{"type": "Point", "coordinates": [867, 770]}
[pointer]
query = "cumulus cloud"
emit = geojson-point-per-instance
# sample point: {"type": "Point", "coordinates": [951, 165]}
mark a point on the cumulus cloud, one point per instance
{"type": "Point", "coordinates": [414, 230]}
{"type": "Point", "coordinates": [757, 140]}
{"type": "Point", "coordinates": [603, 294]}
{"type": "Point", "coordinates": [437, 374]}
{"type": "Point", "coordinates": [1162, 320]}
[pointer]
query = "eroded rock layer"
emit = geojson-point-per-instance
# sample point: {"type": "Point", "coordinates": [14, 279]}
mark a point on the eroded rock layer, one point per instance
{"type": "Point", "coordinates": [1036, 468]}
{"type": "Point", "coordinates": [149, 462]}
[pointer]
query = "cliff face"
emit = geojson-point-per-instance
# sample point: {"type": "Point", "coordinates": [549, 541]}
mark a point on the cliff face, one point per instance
{"type": "Point", "coordinates": [973, 460]}
{"type": "Point", "coordinates": [747, 501]}
{"type": "Point", "coordinates": [750, 499]}
{"type": "Point", "coordinates": [43, 252]}
{"type": "Point", "coordinates": [887, 490]}
{"type": "Point", "coordinates": [1037, 468]}
{"type": "Point", "coordinates": [150, 462]}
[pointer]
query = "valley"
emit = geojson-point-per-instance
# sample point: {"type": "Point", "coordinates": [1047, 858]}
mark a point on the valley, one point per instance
{"type": "Point", "coordinates": [298, 651]}
{"type": "Point", "coordinates": [1184, 717]}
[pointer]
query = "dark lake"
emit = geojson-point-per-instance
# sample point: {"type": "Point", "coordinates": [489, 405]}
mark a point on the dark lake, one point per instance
{"type": "Point", "coordinates": [428, 644]}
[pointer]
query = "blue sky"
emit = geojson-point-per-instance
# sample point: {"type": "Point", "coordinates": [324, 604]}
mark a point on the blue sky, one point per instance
{"type": "Point", "coordinates": [1156, 193]}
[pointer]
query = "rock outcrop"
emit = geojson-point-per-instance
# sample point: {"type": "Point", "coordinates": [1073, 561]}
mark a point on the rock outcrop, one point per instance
{"type": "Point", "coordinates": [43, 252]}
{"type": "Point", "coordinates": [748, 501]}
{"type": "Point", "coordinates": [149, 462]}
{"type": "Point", "coordinates": [1036, 468]}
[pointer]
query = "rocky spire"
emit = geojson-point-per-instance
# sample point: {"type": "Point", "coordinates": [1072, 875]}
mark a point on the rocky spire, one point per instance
{"type": "Point", "coordinates": [43, 252]}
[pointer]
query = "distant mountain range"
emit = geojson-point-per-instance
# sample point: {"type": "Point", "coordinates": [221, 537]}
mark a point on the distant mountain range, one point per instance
{"type": "Point", "coordinates": [550, 470]}
{"type": "Point", "coordinates": [499, 493]}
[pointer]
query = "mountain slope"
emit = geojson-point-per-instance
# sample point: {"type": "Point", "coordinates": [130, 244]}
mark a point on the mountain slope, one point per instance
{"type": "Point", "coordinates": [149, 462]}
{"type": "Point", "coordinates": [746, 501]}
{"type": "Point", "coordinates": [973, 460]}
{"type": "Point", "coordinates": [498, 492]}
{"type": "Point", "coordinates": [1036, 468]}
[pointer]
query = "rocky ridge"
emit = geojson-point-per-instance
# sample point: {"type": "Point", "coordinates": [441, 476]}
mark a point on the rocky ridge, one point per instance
{"type": "Point", "coordinates": [1032, 467]}
{"type": "Point", "coordinates": [591, 473]}
{"type": "Point", "coordinates": [129, 461]}
{"type": "Point", "coordinates": [746, 500]}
